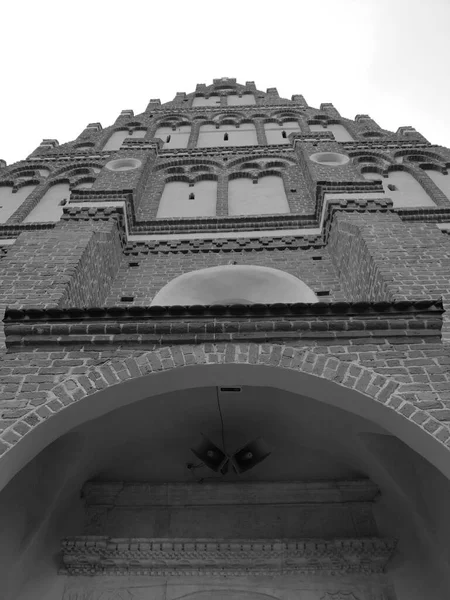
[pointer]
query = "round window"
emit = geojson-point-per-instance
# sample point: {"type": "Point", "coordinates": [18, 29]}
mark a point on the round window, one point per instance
{"type": "Point", "coordinates": [123, 164]}
{"type": "Point", "coordinates": [330, 159]}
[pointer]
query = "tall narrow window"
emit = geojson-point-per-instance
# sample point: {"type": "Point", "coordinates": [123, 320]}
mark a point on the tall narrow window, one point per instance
{"type": "Point", "coordinates": [266, 198]}
{"type": "Point", "coordinates": [174, 137]}
{"type": "Point", "coordinates": [181, 200]}
{"type": "Point", "coordinates": [10, 202]}
{"type": "Point", "coordinates": [403, 189]}
{"type": "Point", "coordinates": [50, 207]}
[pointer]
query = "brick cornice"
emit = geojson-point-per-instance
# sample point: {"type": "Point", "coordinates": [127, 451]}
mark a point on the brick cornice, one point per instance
{"type": "Point", "coordinates": [322, 309]}
{"type": "Point", "coordinates": [159, 325]}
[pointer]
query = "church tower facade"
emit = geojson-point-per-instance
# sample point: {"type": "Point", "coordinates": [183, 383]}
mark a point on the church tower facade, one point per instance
{"type": "Point", "coordinates": [225, 370]}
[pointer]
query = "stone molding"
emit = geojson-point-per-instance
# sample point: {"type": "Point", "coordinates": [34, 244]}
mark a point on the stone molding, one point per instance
{"type": "Point", "coordinates": [101, 555]}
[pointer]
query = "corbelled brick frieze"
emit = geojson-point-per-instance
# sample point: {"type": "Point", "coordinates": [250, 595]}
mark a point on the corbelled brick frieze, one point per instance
{"type": "Point", "coordinates": [100, 555]}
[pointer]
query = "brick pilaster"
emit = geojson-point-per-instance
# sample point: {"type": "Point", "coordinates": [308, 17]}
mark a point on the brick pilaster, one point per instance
{"type": "Point", "coordinates": [260, 132]}
{"type": "Point", "coordinates": [193, 137]}
{"type": "Point", "coordinates": [222, 196]}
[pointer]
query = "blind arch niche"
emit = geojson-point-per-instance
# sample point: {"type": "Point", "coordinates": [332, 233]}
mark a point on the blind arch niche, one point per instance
{"type": "Point", "coordinates": [10, 202]}
{"type": "Point", "coordinates": [179, 199]}
{"type": "Point", "coordinates": [404, 190]}
{"type": "Point", "coordinates": [49, 208]}
{"type": "Point", "coordinates": [266, 196]}
{"type": "Point", "coordinates": [234, 284]}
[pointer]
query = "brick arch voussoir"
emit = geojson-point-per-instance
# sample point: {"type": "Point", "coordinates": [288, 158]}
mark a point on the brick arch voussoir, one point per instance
{"type": "Point", "coordinates": [77, 386]}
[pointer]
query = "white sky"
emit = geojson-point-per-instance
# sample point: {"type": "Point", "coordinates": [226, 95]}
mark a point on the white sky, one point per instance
{"type": "Point", "coordinates": [67, 64]}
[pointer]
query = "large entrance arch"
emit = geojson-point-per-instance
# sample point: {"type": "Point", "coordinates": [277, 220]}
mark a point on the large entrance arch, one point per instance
{"type": "Point", "coordinates": [101, 388]}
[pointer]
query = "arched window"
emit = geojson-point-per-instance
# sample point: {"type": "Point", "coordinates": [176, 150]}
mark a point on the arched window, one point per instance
{"type": "Point", "coordinates": [235, 99]}
{"type": "Point", "coordinates": [227, 135]}
{"type": "Point", "coordinates": [213, 100]}
{"type": "Point", "coordinates": [403, 189]}
{"type": "Point", "coordinates": [339, 132]}
{"type": "Point", "coordinates": [279, 134]}
{"type": "Point", "coordinates": [174, 137]}
{"type": "Point", "coordinates": [116, 140]}
{"type": "Point", "coordinates": [50, 207]}
{"type": "Point", "coordinates": [179, 199]}
{"type": "Point", "coordinates": [441, 180]}
{"type": "Point", "coordinates": [10, 202]}
{"type": "Point", "coordinates": [264, 196]}
{"type": "Point", "coordinates": [234, 284]}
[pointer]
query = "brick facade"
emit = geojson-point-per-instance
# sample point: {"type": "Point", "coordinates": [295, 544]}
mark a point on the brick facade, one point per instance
{"type": "Point", "coordinates": [343, 238]}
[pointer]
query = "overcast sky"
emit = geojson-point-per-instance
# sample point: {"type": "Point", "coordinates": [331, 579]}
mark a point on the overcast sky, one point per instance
{"type": "Point", "coordinates": [67, 64]}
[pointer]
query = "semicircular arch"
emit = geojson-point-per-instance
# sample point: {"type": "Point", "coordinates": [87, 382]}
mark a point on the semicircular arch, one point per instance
{"type": "Point", "coordinates": [235, 284]}
{"type": "Point", "coordinates": [123, 380]}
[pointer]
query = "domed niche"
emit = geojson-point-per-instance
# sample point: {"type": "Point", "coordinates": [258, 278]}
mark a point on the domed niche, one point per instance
{"type": "Point", "coordinates": [123, 164]}
{"type": "Point", "coordinates": [330, 159]}
{"type": "Point", "coordinates": [234, 284]}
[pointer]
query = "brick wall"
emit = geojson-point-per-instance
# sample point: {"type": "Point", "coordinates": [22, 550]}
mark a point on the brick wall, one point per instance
{"type": "Point", "coordinates": [156, 270]}
{"type": "Point", "coordinates": [72, 264]}
{"type": "Point", "coordinates": [380, 257]}
{"type": "Point", "coordinates": [97, 266]}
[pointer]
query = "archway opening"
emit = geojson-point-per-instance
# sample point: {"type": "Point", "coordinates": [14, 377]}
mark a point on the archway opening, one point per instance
{"type": "Point", "coordinates": [121, 472]}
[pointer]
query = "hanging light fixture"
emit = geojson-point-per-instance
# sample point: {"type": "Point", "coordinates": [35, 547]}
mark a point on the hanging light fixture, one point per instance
{"type": "Point", "coordinates": [217, 458]}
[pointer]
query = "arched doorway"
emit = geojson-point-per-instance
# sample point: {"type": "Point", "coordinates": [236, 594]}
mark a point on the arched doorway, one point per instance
{"type": "Point", "coordinates": [138, 433]}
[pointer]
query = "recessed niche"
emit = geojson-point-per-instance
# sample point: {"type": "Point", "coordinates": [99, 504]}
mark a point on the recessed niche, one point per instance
{"type": "Point", "coordinates": [330, 159]}
{"type": "Point", "coordinates": [123, 164]}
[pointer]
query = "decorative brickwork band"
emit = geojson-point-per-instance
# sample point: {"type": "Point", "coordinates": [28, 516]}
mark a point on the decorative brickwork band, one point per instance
{"type": "Point", "coordinates": [91, 555]}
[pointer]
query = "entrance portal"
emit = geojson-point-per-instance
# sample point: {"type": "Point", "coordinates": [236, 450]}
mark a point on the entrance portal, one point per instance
{"type": "Point", "coordinates": [339, 510]}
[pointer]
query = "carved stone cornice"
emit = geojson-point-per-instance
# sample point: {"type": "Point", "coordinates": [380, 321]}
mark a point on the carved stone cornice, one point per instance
{"type": "Point", "coordinates": [98, 555]}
